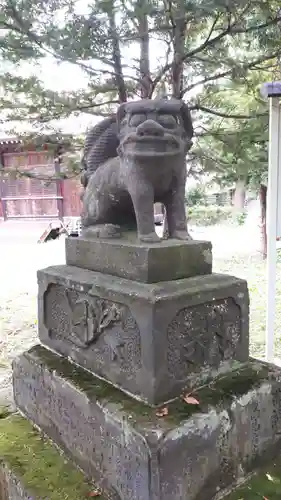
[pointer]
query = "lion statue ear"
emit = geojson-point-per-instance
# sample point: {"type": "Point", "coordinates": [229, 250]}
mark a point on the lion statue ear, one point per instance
{"type": "Point", "coordinates": [187, 121]}
{"type": "Point", "coordinates": [120, 115]}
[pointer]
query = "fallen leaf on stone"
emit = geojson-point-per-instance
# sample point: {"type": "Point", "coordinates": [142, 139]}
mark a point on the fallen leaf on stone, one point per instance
{"type": "Point", "coordinates": [163, 412]}
{"type": "Point", "coordinates": [190, 400]}
{"type": "Point", "coordinates": [94, 493]}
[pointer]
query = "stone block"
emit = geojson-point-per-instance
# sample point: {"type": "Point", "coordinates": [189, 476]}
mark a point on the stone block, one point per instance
{"type": "Point", "coordinates": [11, 487]}
{"type": "Point", "coordinates": [194, 452]}
{"type": "Point", "coordinates": [151, 340]}
{"type": "Point", "coordinates": [32, 468]}
{"type": "Point", "coordinates": [144, 262]}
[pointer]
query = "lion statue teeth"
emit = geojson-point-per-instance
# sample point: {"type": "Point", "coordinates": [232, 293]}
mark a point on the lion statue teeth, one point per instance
{"type": "Point", "coordinates": [144, 163]}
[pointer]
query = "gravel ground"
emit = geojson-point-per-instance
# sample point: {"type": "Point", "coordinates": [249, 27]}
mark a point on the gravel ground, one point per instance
{"type": "Point", "coordinates": [21, 256]}
{"type": "Point", "coordinates": [235, 252]}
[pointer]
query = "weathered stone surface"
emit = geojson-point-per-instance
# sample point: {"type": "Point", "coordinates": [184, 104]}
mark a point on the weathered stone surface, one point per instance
{"type": "Point", "coordinates": [154, 137]}
{"type": "Point", "coordinates": [11, 487]}
{"type": "Point", "coordinates": [151, 340]}
{"type": "Point", "coordinates": [144, 262]}
{"type": "Point", "coordinates": [192, 453]}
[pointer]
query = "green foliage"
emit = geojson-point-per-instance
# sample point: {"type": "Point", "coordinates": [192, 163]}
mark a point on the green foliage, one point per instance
{"type": "Point", "coordinates": [241, 218]}
{"type": "Point", "coordinates": [208, 215]}
{"type": "Point", "coordinates": [92, 39]}
{"type": "Point", "coordinates": [237, 149]}
{"type": "Point", "coordinates": [215, 52]}
{"type": "Point", "coordinates": [195, 196]}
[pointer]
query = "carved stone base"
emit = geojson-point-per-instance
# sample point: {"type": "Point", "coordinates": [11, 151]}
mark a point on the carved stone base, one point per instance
{"type": "Point", "coordinates": [144, 262]}
{"type": "Point", "coordinates": [190, 452]}
{"type": "Point", "coordinates": [151, 340]}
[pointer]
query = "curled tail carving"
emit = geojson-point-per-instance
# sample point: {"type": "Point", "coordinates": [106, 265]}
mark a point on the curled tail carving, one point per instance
{"type": "Point", "coordinates": [101, 144]}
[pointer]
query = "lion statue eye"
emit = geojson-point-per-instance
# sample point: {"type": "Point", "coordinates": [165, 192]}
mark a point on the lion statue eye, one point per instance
{"type": "Point", "coordinates": [137, 119]}
{"type": "Point", "coordinates": [167, 121]}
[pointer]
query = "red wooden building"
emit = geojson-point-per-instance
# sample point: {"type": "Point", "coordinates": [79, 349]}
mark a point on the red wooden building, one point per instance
{"type": "Point", "coordinates": [23, 197]}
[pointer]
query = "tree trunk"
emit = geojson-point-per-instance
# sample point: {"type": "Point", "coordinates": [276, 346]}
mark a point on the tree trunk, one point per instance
{"type": "Point", "coordinates": [263, 200]}
{"type": "Point", "coordinates": [145, 78]}
{"type": "Point", "coordinates": [177, 19]}
{"type": "Point", "coordinates": [239, 195]}
{"type": "Point", "coordinates": [116, 55]}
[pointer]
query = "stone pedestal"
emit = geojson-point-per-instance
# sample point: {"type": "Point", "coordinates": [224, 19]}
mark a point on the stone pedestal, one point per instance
{"type": "Point", "coordinates": [151, 340]}
{"type": "Point", "coordinates": [192, 453]}
{"type": "Point", "coordinates": [144, 262]}
{"type": "Point", "coordinates": [129, 331]}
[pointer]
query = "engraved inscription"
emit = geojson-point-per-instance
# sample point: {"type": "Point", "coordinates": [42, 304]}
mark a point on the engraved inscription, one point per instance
{"type": "Point", "coordinates": [93, 324]}
{"type": "Point", "coordinates": [276, 403]}
{"type": "Point", "coordinates": [202, 335]}
{"type": "Point", "coordinates": [96, 441]}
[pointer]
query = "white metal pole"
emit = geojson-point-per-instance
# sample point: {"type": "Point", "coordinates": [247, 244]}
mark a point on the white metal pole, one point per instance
{"type": "Point", "coordinates": [271, 221]}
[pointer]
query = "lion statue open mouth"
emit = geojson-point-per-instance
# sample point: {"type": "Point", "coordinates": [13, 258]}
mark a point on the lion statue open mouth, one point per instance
{"type": "Point", "coordinates": [153, 139]}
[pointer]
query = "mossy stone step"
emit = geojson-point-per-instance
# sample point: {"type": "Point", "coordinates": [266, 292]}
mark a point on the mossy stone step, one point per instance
{"type": "Point", "coordinates": [134, 452]}
{"type": "Point", "coordinates": [32, 468]}
{"type": "Point", "coordinates": [37, 470]}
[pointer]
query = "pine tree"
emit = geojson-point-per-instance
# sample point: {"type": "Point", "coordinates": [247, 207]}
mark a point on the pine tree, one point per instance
{"type": "Point", "coordinates": [203, 45]}
{"type": "Point", "coordinates": [235, 150]}
{"type": "Point", "coordinates": [206, 41]}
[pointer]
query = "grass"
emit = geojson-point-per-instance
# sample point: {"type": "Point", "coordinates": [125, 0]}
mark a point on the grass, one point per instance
{"type": "Point", "coordinates": [39, 466]}
{"type": "Point", "coordinates": [263, 486]}
{"type": "Point", "coordinates": [253, 269]}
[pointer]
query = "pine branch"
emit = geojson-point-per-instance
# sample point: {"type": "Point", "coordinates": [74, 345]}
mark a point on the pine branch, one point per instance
{"type": "Point", "coordinates": [87, 108]}
{"type": "Point", "coordinates": [231, 72]}
{"type": "Point", "coordinates": [207, 43]}
{"type": "Point", "coordinates": [21, 28]}
{"type": "Point", "coordinates": [213, 27]}
{"type": "Point", "coordinates": [207, 79]}
{"type": "Point", "coordinates": [269, 23]}
{"type": "Point", "coordinates": [211, 41]}
{"type": "Point", "coordinates": [198, 107]}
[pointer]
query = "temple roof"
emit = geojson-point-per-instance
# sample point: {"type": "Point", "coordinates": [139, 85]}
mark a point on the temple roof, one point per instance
{"type": "Point", "coordinates": [8, 139]}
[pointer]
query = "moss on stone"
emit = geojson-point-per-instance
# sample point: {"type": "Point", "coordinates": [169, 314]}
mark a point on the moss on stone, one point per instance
{"type": "Point", "coordinates": [4, 411]}
{"type": "Point", "coordinates": [38, 465]}
{"type": "Point", "coordinates": [265, 485]}
{"type": "Point", "coordinates": [217, 392]}
{"type": "Point", "coordinates": [220, 391]}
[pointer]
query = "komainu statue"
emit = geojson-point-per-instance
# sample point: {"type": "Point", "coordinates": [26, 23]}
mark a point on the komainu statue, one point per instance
{"type": "Point", "coordinates": [151, 138]}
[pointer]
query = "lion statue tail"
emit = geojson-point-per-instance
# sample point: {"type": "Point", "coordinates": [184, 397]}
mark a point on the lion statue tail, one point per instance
{"type": "Point", "coordinates": [101, 144]}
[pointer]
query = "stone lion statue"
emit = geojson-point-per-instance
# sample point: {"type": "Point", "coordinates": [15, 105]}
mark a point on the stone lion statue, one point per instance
{"type": "Point", "coordinates": [151, 138]}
